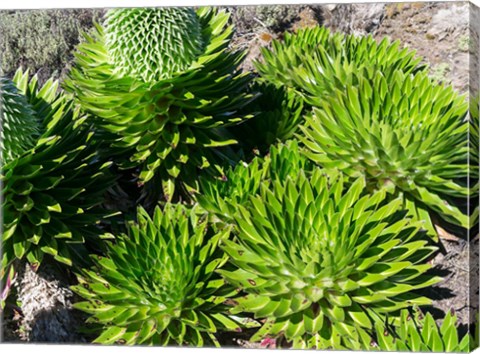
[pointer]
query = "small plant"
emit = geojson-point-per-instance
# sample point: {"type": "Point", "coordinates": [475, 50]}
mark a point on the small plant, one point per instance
{"type": "Point", "coordinates": [162, 87]}
{"type": "Point", "coordinates": [464, 43]}
{"type": "Point", "coordinates": [317, 263]}
{"type": "Point", "coordinates": [52, 178]}
{"type": "Point", "coordinates": [405, 133]}
{"type": "Point", "coordinates": [223, 196]}
{"type": "Point", "coordinates": [418, 332]}
{"type": "Point", "coordinates": [158, 284]}
{"type": "Point", "coordinates": [440, 73]}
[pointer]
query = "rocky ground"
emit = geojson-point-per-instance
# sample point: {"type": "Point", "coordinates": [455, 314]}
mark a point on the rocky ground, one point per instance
{"type": "Point", "coordinates": [440, 34]}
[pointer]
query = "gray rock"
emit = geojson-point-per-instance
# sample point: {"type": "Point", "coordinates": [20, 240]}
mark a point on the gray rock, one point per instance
{"type": "Point", "coordinates": [454, 18]}
{"type": "Point", "coordinates": [359, 19]}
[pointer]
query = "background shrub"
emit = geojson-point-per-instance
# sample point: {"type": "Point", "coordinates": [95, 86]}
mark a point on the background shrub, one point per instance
{"type": "Point", "coordinates": [274, 18]}
{"type": "Point", "coordinates": [42, 41]}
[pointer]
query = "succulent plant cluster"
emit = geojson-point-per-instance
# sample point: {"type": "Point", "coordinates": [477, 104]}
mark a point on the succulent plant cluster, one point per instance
{"type": "Point", "coordinates": [295, 204]}
{"type": "Point", "coordinates": [376, 113]}
{"type": "Point", "coordinates": [404, 131]}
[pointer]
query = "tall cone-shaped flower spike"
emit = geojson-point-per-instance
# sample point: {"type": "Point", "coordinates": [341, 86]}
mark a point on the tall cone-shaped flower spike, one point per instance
{"type": "Point", "coordinates": [171, 40]}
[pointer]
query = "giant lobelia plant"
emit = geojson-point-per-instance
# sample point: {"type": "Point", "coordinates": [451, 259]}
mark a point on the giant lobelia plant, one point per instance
{"type": "Point", "coordinates": [158, 284]}
{"type": "Point", "coordinates": [288, 64]}
{"type": "Point", "coordinates": [404, 133]}
{"type": "Point", "coordinates": [162, 86]}
{"type": "Point", "coordinates": [318, 263]}
{"type": "Point", "coordinates": [52, 179]}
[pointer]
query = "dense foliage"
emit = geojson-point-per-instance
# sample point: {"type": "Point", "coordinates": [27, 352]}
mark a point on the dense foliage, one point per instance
{"type": "Point", "coordinates": [166, 99]}
{"type": "Point", "coordinates": [296, 203]}
{"type": "Point", "coordinates": [405, 131]}
{"type": "Point", "coordinates": [52, 185]}
{"type": "Point", "coordinates": [313, 259]}
{"type": "Point", "coordinates": [157, 284]}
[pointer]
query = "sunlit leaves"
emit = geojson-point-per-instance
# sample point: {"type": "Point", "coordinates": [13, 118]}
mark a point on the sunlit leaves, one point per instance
{"type": "Point", "coordinates": [318, 257]}
{"type": "Point", "coordinates": [411, 135]}
{"type": "Point", "coordinates": [164, 101]}
{"type": "Point", "coordinates": [52, 191]}
{"type": "Point", "coordinates": [158, 284]}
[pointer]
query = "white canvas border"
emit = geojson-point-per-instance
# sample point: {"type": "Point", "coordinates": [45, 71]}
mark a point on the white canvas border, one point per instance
{"type": "Point", "coordinates": [46, 4]}
{"type": "Point", "coordinates": [36, 4]}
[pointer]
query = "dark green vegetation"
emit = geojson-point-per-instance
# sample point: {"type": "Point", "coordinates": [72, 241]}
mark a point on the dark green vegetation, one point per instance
{"type": "Point", "coordinates": [294, 202]}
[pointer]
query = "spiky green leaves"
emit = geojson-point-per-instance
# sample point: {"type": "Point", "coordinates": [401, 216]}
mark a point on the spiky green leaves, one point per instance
{"type": "Point", "coordinates": [278, 113]}
{"type": "Point", "coordinates": [153, 43]}
{"type": "Point", "coordinates": [301, 57]}
{"type": "Point", "coordinates": [158, 284]}
{"type": "Point", "coordinates": [222, 197]}
{"type": "Point", "coordinates": [19, 123]}
{"type": "Point", "coordinates": [171, 127]}
{"type": "Point", "coordinates": [403, 131]}
{"type": "Point", "coordinates": [420, 333]}
{"type": "Point", "coordinates": [412, 331]}
{"type": "Point", "coordinates": [316, 262]}
{"type": "Point", "coordinates": [52, 192]}
{"type": "Point", "coordinates": [7, 279]}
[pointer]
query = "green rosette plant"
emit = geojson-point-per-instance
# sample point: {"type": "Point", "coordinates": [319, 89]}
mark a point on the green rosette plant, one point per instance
{"type": "Point", "coordinates": [404, 133]}
{"type": "Point", "coordinates": [158, 284]}
{"type": "Point", "coordinates": [52, 179]}
{"type": "Point", "coordinates": [162, 87]}
{"type": "Point", "coordinates": [293, 56]}
{"type": "Point", "coordinates": [318, 262]}
{"type": "Point", "coordinates": [310, 59]}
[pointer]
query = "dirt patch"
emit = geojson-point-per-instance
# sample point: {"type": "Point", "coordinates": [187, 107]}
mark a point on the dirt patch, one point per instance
{"type": "Point", "coordinates": [438, 32]}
